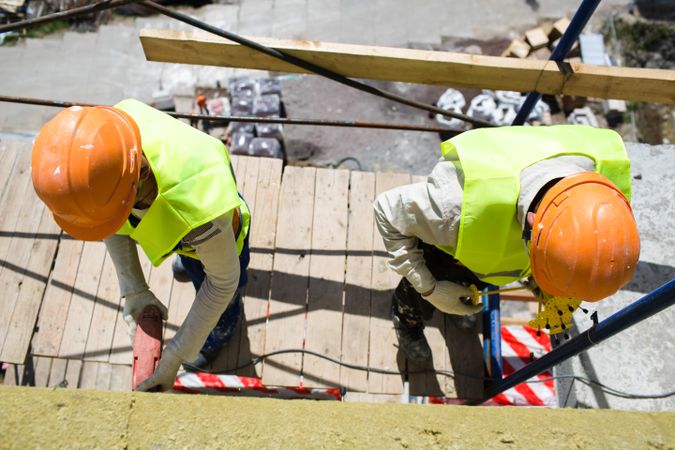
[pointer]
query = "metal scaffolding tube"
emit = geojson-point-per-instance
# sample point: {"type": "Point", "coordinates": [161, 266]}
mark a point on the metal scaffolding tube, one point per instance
{"type": "Point", "coordinates": [652, 303]}
{"type": "Point", "coordinates": [571, 34]}
{"type": "Point", "coordinates": [249, 119]}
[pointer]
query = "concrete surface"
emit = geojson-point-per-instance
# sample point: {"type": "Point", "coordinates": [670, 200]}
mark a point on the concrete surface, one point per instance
{"type": "Point", "coordinates": [42, 418]}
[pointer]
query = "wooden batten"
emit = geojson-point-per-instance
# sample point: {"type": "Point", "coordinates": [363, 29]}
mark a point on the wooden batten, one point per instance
{"type": "Point", "coordinates": [417, 66]}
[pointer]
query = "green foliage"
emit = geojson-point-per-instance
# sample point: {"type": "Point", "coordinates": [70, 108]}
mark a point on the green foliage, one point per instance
{"type": "Point", "coordinates": [47, 28]}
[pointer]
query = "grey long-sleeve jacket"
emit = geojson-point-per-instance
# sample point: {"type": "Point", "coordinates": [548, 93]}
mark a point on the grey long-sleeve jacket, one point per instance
{"type": "Point", "coordinates": [430, 211]}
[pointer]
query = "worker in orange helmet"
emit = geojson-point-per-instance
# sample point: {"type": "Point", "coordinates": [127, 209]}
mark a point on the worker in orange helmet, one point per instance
{"type": "Point", "coordinates": [502, 204]}
{"type": "Point", "coordinates": [131, 174]}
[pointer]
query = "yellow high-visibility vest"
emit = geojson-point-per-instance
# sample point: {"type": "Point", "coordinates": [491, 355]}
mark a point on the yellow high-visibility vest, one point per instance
{"type": "Point", "coordinates": [194, 180]}
{"type": "Point", "coordinates": [489, 240]}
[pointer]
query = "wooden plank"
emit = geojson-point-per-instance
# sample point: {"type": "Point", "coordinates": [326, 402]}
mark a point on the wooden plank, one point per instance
{"type": "Point", "coordinates": [57, 374]}
{"type": "Point", "coordinates": [383, 343]}
{"type": "Point", "coordinates": [9, 150]}
{"type": "Point", "coordinates": [288, 297]}
{"type": "Point", "coordinates": [42, 367]}
{"type": "Point", "coordinates": [59, 291]}
{"type": "Point", "coordinates": [182, 297]}
{"type": "Point", "coordinates": [88, 375]}
{"type": "Point", "coordinates": [417, 66]}
{"type": "Point", "coordinates": [13, 375]}
{"type": "Point", "coordinates": [465, 360]}
{"type": "Point", "coordinates": [356, 321]}
{"type": "Point", "coordinates": [73, 370]}
{"type": "Point", "coordinates": [15, 244]}
{"type": "Point", "coordinates": [82, 302]}
{"type": "Point", "coordinates": [430, 383]}
{"type": "Point", "coordinates": [31, 290]}
{"type": "Point", "coordinates": [246, 173]}
{"type": "Point", "coordinates": [103, 318]}
{"type": "Point", "coordinates": [262, 242]}
{"type": "Point", "coordinates": [326, 277]}
{"type": "Point", "coordinates": [120, 352]}
{"type": "Point", "coordinates": [120, 380]}
{"type": "Point", "coordinates": [103, 375]}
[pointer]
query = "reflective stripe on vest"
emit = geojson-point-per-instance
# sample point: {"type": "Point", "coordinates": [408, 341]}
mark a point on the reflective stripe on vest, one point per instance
{"type": "Point", "coordinates": [489, 240]}
{"type": "Point", "coordinates": [194, 180]}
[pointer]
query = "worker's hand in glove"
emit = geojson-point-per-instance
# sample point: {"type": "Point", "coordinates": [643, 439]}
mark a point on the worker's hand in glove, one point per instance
{"type": "Point", "coordinates": [445, 296]}
{"type": "Point", "coordinates": [164, 375]}
{"type": "Point", "coordinates": [134, 305]}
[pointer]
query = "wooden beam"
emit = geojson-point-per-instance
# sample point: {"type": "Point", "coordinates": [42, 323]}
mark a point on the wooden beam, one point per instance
{"type": "Point", "coordinates": [417, 66]}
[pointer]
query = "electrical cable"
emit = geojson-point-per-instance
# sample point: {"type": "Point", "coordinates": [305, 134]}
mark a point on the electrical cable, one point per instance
{"type": "Point", "coordinates": [247, 119]}
{"type": "Point", "coordinates": [314, 68]}
{"type": "Point", "coordinates": [587, 381]}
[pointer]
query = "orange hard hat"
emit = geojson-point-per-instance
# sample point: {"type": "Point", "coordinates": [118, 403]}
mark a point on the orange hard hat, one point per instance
{"type": "Point", "coordinates": [86, 164]}
{"type": "Point", "coordinates": [201, 100]}
{"type": "Point", "coordinates": [585, 242]}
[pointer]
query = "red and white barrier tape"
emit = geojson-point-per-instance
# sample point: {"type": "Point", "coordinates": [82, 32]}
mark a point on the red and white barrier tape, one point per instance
{"type": "Point", "coordinates": [208, 383]}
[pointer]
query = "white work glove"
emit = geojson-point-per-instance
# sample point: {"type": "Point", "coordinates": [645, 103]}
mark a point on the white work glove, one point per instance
{"type": "Point", "coordinates": [164, 375]}
{"type": "Point", "coordinates": [134, 305]}
{"type": "Point", "coordinates": [445, 297]}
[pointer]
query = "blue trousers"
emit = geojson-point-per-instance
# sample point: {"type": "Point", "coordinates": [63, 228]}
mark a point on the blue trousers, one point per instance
{"type": "Point", "coordinates": [227, 324]}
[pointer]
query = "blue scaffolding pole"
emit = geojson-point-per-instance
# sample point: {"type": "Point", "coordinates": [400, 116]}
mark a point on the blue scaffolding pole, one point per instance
{"type": "Point", "coordinates": [652, 303]}
{"type": "Point", "coordinates": [577, 24]}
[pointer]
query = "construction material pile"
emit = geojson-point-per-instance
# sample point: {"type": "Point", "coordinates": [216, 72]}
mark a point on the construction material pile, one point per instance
{"type": "Point", "coordinates": [539, 42]}
{"type": "Point", "coordinates": [259, 98]}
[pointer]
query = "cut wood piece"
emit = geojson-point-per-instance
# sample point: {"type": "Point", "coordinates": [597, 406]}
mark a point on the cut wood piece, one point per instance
{"type": "Point", "coordinates": [559, 28]}
{"type": "Point", "coordinates": [517, 49]}
{"type": "Point", "coordinates": [326, 277]}
{"type": "Point", "coordinates": [104, 316]}
{"type": "Point", "coordinates": [288, 297]}
{"type": "Point", "coordinates": [384, 353]}
{"type": "Point", "coordinates": [54, 309]}
{"type": "Point", "coordinates": [82, 302]}
{"type": "Point", "coordinates": [356, 320]}
{"type": "Point", "coordinates": [120, 379]}
{"type": "Point", "coordinates": [31, 288]}
{"type": "Point", "coordinates": [57, 374]}
{"type": "Point", "coordinates": [262, 240]}
{"type": "Point", "coordinates": [536, 38]}
{"type": "Point", "coordinates": [416, 66]}
{"type": "Point", "coordinates": [541, 54]}
{"type": "Point", "coordinates": [73, 370]}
